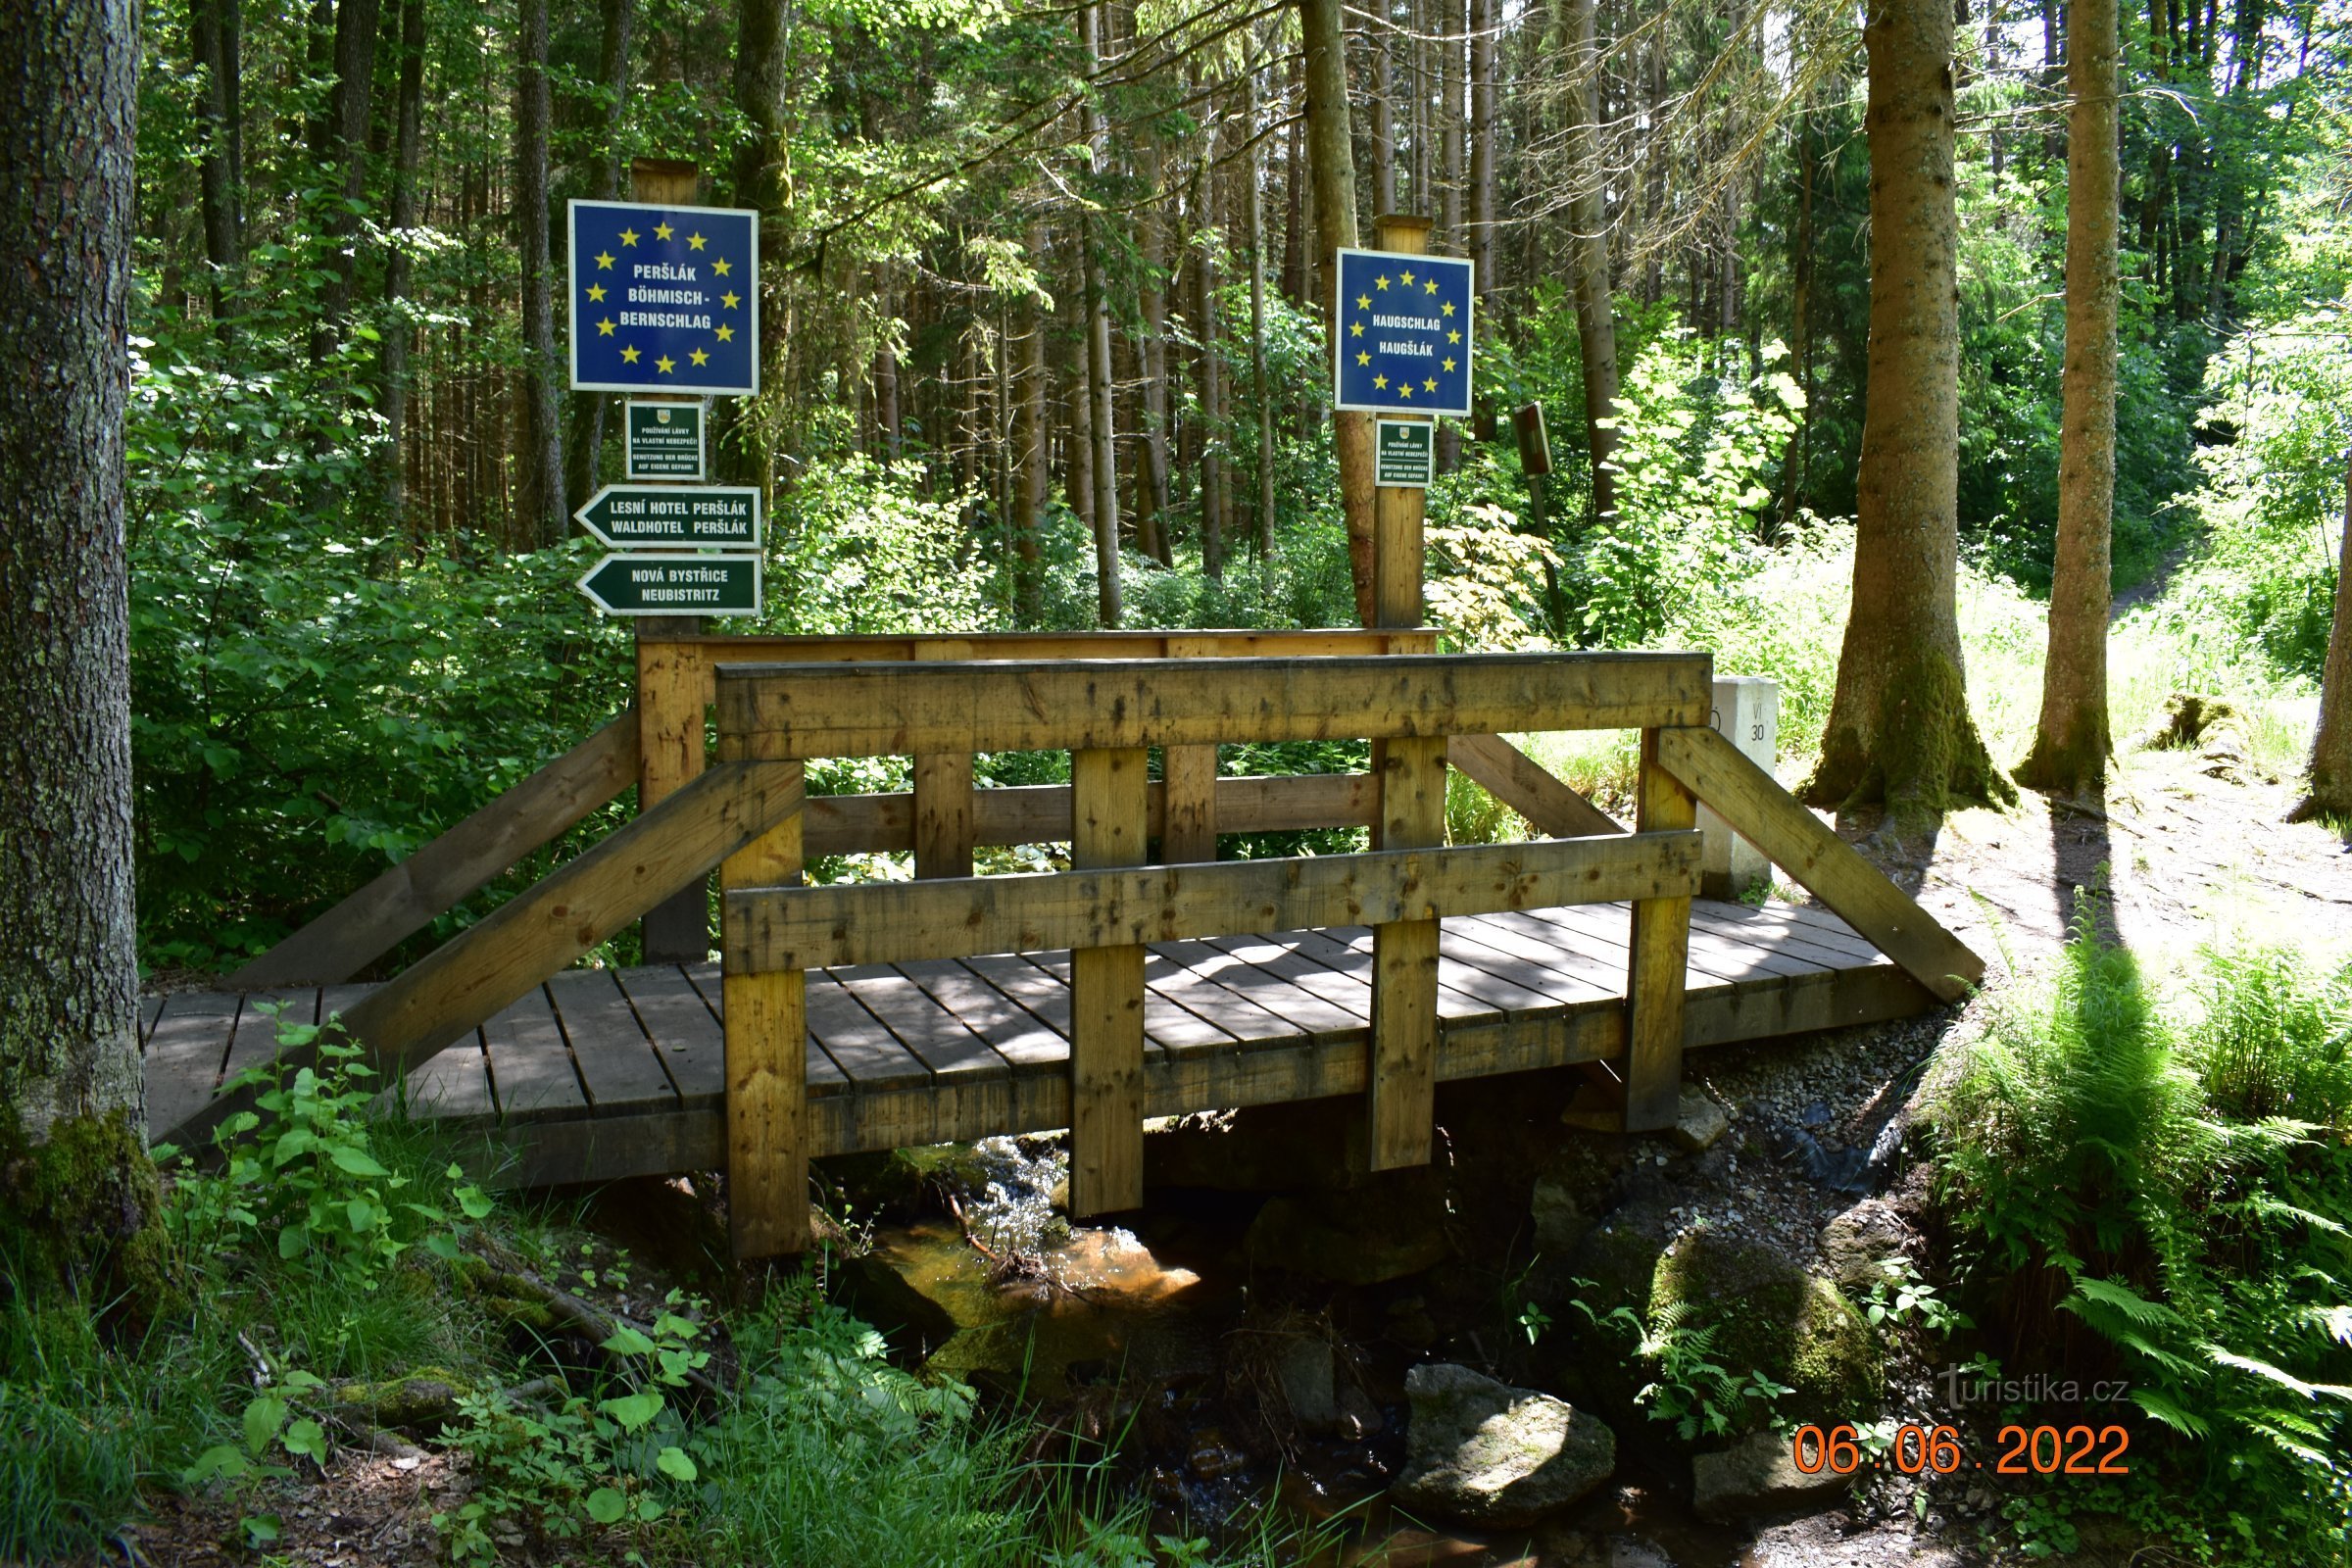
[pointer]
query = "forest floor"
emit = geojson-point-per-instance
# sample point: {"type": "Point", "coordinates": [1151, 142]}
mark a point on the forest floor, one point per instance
{"type": "Point", "coordinates": [2188, 845]}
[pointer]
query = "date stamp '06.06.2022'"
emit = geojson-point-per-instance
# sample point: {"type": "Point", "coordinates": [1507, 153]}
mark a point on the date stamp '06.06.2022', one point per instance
{"type": "Point", "coordinates": [2077, 1450]}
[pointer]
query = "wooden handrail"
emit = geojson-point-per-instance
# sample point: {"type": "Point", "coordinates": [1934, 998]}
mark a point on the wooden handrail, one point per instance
{"type": "Point", "coordinates": [778, 713]}
{"type": "Point", "coordinates": [462, 984]}
{"type": "Point", "coordinates": [1819, 861]}
{"type": "Point", "coordinates": [442, 875]}
{"type": "Point", "coordinates": [887, 922]}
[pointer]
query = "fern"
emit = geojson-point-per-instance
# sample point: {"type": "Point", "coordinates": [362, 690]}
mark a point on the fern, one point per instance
{"type": "Point", "coordinates": [2187, 1174]}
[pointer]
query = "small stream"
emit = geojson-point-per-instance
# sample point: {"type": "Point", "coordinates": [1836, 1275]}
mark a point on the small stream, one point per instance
{"type": "Point", "coordinates": [1153, 1335]}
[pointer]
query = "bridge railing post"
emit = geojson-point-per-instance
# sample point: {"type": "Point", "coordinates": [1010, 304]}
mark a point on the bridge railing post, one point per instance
{"type": "Point", "coordinates": [766, 1067]}
{"type": "Point", "coordinates": [1660, 955]}
{"type": "Point", "coordinates": [1108, 822]}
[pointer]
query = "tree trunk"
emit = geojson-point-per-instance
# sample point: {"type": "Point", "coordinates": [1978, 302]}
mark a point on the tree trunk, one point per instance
{"type": "Point", "coordinates": [1384, 117]}
{"type": "Point", "coordinates": [1294, 192]}
{"type": "Point", "coordinates": [2071, 742]}
{"type": "Point", "coordinates": [585, 443]}
{"type": "Point", "coordinates": [888, 431]}
{"type": "Point", "coordinates": [318, 61]}
{"type": "Point", "coordinates": [1448, 238]}
{"type": "Point", "coordinates": [1103, 427]}
{"type": "Point", "coordinates": [1031, 444]}
{"type": "Point", "coordinates": [77, 1195]}
{"type": "Point", "coordinates": [1480, 236]}
{"type": "Point", "coordinates": [1588, 258]}
{"type": "Point", "coordinates": [1797, 468]}
{"type": "Point", "coordinates": [1333, 164]}
{"type": "Point", "coordinates": [1259, 390]}
{"type": "Point", "coordinates": [1215, 474]}
{"type": "Point", "coordinates": [355, 26]}
{"type": "Point", "coordinates": [1899, 730]}
{"type": "Point", "coordinates": [762, 179]}
{"type": "Point", "coordinates": [407, 135]}
{"type": "Point", "coordinates": [215, 39]}
{"type": "Point", "coordinates": [1078, 448]}
{"type": "Point", "coordinates": [2330, 788]}
{"type": "Point", "coordinates": [539, 469]}
{"type": "Point", "coordinates": [1152, 490]}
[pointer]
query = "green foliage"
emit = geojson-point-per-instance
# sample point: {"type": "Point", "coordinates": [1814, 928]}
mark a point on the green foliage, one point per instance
{"type": "Point", "coordinates": [298, 678]}
{"type": "Point", "coordinates": [1689, 1389]}
{"type": "Point", "coordinates": [1899, 1295]}
{"type": "Point", "coordinates": [299, 1172]}
{"type": "Point", "coordinates": [616, 1458]}
{"type": "Point", "coordinates": [2194, 1230]}
{"type": "Point", "coordinates": [1487, 580]}
{"type": "Point", "coordinates": [89, 1420]}
{"type": "Point", "coordinates": [861, 548]}
{"type": "Point", "coordinates": [2273, 501]}
{"type": "Point", "coordinates": [1692, 456]}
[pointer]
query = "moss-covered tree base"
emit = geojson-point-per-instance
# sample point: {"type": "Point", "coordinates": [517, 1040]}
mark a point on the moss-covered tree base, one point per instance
{"type": "Point", "coordinates": [2072, 766]}
{"type": "Point", "coordinates": [82, 1212]}
{"type": "Point", "coordinates": [1922, 756]}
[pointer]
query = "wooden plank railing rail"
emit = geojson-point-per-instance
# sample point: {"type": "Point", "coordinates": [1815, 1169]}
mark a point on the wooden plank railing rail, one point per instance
{"type": "Point", "coordinates": [452, 868]}
{"type": "Point", "coordinates": [659, 745]}
{"type": "Point", "coordinates": [465, 981]}
{"type": "Point", "coordinates": [1105, 713]}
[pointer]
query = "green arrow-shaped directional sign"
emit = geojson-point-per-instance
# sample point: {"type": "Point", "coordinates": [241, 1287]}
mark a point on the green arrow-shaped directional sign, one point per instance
{"type": "Point", "coordinates": [629, 515]}
{"type": "Point", "coordinates": [673, 584]}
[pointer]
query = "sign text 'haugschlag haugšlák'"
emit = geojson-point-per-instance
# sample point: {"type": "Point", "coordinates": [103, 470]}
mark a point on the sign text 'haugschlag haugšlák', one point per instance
{"type": "Point", "coordinates": [664, 299]}
{"type": "Point", "coordinates": [1404, 337]}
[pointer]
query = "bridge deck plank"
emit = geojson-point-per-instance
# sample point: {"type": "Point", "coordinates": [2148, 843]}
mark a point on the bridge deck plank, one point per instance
{"type": "Point", "coordinates": [952, 1046]}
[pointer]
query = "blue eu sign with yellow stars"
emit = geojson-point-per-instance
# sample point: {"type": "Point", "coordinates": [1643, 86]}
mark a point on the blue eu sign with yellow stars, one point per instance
{"type": "Point", "coordinates": [664, 299]}
{"type": "Point", "coordinates": [1403, 342]}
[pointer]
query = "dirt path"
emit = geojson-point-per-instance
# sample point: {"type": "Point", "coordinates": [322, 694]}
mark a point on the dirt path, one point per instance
{"type": "Point", "coordinates": [2188, 847]}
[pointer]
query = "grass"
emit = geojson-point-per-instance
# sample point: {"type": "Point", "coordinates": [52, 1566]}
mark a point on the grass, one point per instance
{"type": "Point", "coordinates": [821, 1450]}
{"type": "Point", "coordinates": [1788, 622]}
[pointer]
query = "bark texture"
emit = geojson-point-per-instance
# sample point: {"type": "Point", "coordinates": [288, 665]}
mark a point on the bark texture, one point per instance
{"type": "Point", "coordinates": [1596, 309]}
{"type": "Point", "coordinates": [2071, 744]}
{"type": "Point", "coordinates": [70, 1104]}
{"type": "Point", "coordinates": [1900, 729]}
{"type": "Point", "coordinates": [349, 107]}
{"type": "Point", "coordinates": [541, 514]}
{"type": "Point", "coordinates": [584, 442]}
{"type": "Point", "coordinates": [1331, 162]}
{"type": "Point", "coordinates": [216, 45]}
{"type": "Point", "coordinates": [2331, 786]}
{"type": "Point", "coordinates": [408, 127]}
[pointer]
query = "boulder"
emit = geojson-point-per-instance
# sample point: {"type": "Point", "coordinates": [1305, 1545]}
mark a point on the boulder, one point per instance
{"type": "Point", "coordinates": [1758, 1476]}
{"type": "Point", "coordinates": [1303, 1370]}
{"type": "Point", "coordinates": [1697, 1122]}
{"type": "Point", "coordinates": [1765, 1313]}
{"type": "Point", "coordinates": [1561, 1218]}
{"type": "Point", "coordinates": [1772, 1316]}
{"type": "Point", "coordinates": [1857, 1241]}
{"type": "Point", "coordinates": [1491, 1455]}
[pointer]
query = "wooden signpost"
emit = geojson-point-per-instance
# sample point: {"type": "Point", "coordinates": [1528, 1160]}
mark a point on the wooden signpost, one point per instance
{"type": "Point", "coordinates": [665, 302]}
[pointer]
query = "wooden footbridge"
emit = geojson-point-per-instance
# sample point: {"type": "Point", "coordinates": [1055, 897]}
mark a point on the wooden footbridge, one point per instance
{"type": "Point", "coordinates": [1148, 980]}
